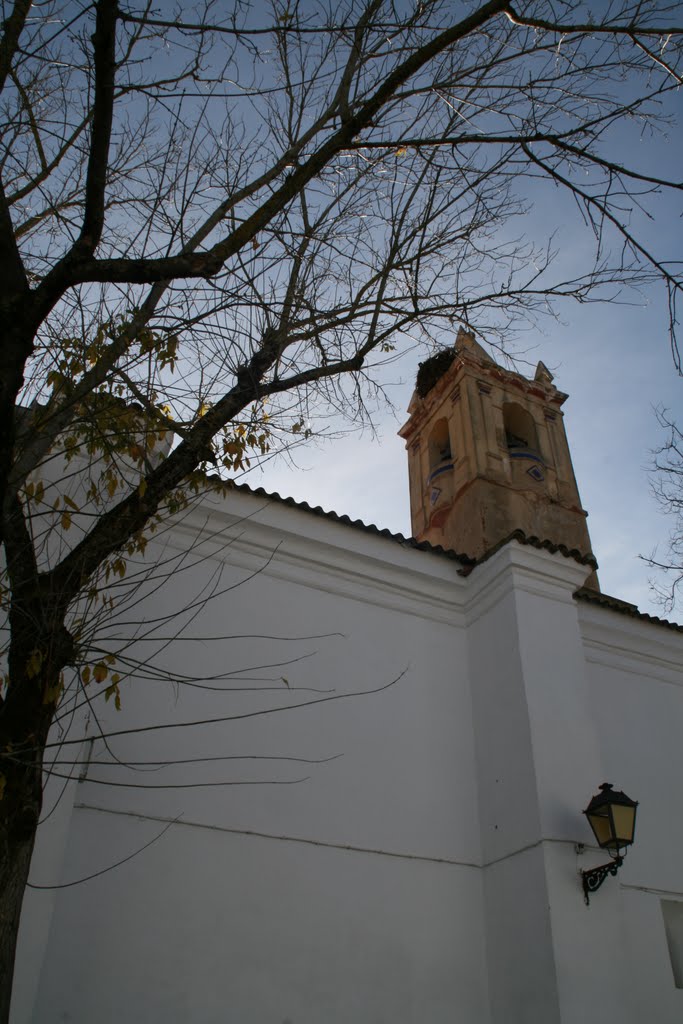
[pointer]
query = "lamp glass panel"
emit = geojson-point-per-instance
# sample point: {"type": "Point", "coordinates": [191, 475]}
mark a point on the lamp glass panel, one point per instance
{"type": "Point", "coordinates": [600, 824]}
{"type": "Point", "coordinates": [624, 822]}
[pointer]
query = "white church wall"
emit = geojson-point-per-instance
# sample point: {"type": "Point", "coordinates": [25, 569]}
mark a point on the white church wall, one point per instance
{"type": "Point", "coordinates": [546, 737]}
{"type": "Point", "coordinates": [47, 865]}
{"type": "Point", "coordinates": [569, 765]}
{"type": "Point", "coordinates": [428, 871]}
{"type": "Point", "coordinates": [221, 927]}
{"type": "Point", "coordinates": [522, 982]}
{"type": "Point", "coordinates": [361, 890]}
{"type": "Point", "coordinates": [636, 679]}
{"type": "Point", "coordinates": [537, 755]}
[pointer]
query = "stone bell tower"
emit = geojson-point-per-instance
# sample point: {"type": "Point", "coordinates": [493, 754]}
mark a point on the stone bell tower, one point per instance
{"type": "Point", "coordinates": [488, 455]}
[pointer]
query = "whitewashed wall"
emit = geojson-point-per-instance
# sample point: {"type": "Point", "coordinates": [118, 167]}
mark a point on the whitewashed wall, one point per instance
{"type": "Point", "coordinates": [354, 895]}
{"type": "Point", "coordinates": [429, 873]}
{"type": "Point", "coordinates": [636, 678]}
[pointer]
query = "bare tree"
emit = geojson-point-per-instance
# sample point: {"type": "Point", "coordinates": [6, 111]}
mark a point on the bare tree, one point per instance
{"type": "Point", "coordinates": [215, 222]}
{"type": "Point", "coordinates": [666, 477]}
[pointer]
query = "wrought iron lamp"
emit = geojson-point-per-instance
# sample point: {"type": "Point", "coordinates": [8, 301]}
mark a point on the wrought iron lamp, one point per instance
{"type": "Point", "coordinates": [612, 816]}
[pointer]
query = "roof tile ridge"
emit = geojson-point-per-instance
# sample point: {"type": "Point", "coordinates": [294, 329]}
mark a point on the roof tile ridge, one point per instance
{"type": "Point", "coordinates": [616, 604]}
{"type": "Point", "coordinates": [542, 544]}
{"type": "Point", "coordinates": [357, 524]}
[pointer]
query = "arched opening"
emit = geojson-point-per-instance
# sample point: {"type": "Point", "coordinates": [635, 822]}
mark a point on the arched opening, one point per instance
{"type": "Point", "coordinates": [520, 429]}
{"type": "Point", "coordinates": [439, 444]}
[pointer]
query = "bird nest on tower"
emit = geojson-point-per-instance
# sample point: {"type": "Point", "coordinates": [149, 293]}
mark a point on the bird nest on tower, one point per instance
{"type": "Point", "coordinates": [432, 369]}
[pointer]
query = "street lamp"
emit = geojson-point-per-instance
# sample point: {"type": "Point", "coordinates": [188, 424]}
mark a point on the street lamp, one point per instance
{"type": "Point", "coordinates": [612, 817]}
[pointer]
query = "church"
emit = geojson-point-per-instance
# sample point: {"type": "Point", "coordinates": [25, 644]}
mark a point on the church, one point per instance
{"type": "Point", "coordinates": [348, 779]}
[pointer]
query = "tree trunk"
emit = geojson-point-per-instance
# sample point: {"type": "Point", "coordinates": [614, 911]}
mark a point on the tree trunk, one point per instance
{"type": "Point", "coordinates": [24, 726]}
{"type": "Point", "coordinates": [15, 860]}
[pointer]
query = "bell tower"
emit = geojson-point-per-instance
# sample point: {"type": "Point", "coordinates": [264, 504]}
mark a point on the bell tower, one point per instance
{"type": "Point", "coordinates": [488, 455]}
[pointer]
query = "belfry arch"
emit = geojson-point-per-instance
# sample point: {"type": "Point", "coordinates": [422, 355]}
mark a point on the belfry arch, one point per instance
{"type": "Point", "coordinates": [440, 444]}
{"type": "Point", "coordinates": [520, 429]}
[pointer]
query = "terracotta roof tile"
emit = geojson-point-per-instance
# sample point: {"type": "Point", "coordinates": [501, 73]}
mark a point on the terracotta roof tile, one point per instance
{"type": "Point", "coordinates": [470, 564]}
{"type": "Point", "coordinates": [357, 524]}
{"type": "Point", "coordinates": [535, 542]}
{"type": "Point", "coordinates": [615, 604]}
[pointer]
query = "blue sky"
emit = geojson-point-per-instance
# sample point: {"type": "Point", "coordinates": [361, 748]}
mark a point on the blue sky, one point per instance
{"type": "Point", "coordinates": [615, 363]}
{"type": "Point", "coordinates": [613, 360]}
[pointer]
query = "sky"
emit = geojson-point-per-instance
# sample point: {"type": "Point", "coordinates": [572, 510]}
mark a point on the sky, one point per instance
{"type": "Point", "coordinates": [613, 360]}
{"type": "Point", "coordinates": [616, 366]}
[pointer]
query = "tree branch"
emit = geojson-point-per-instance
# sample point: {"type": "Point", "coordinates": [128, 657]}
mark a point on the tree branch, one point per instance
{"type": "Point", "coordinates": [12, 30]}
{"type": "Point", "coordinates": [590, 28]}
{"type": "Point", "coordinates": [104, 45]}
{"type": "Point", "coordinates": [207, 264]}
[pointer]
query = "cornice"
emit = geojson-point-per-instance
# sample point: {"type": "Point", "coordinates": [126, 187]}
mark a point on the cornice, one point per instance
{"type": "Point", "coordinates": [518, 566]}
{"type": "Point", "coordinates": [631, 644]}
{"type": "Point", "coordinates": [466, 363]}
{"type": "Point", "coordinates": [258, 535]}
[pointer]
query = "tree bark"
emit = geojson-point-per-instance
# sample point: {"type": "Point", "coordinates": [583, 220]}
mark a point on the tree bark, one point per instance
{"type": "Point", "coordinates": [15, 860]}
{"type": "Point", "coordinates": [36, 658]}
{"type": "Point", "coordinates": [24, 726]}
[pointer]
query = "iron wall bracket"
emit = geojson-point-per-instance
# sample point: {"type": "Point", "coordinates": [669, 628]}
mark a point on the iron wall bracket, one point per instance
{"type": "Point", "coordinates": [593, 879]}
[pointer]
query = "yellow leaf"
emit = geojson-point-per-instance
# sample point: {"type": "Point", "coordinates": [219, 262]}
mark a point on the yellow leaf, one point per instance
{"type": "Point", "coordinates": [71, 503]}
{"type": "Point", "coordinates": [142, 487]}
{"type": "Point", "coordinates": [113, 691]}
{"type": "Point", "coordinates": [85, 675]}
{"type": "Point", "coordinates": [53, 693]}
{"type": "Point", "coordinates": [34, 663]}
{"type": "Point", "coordinates": [100, 672]}
{"type": "Point", "coordinates": [66, 520]}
